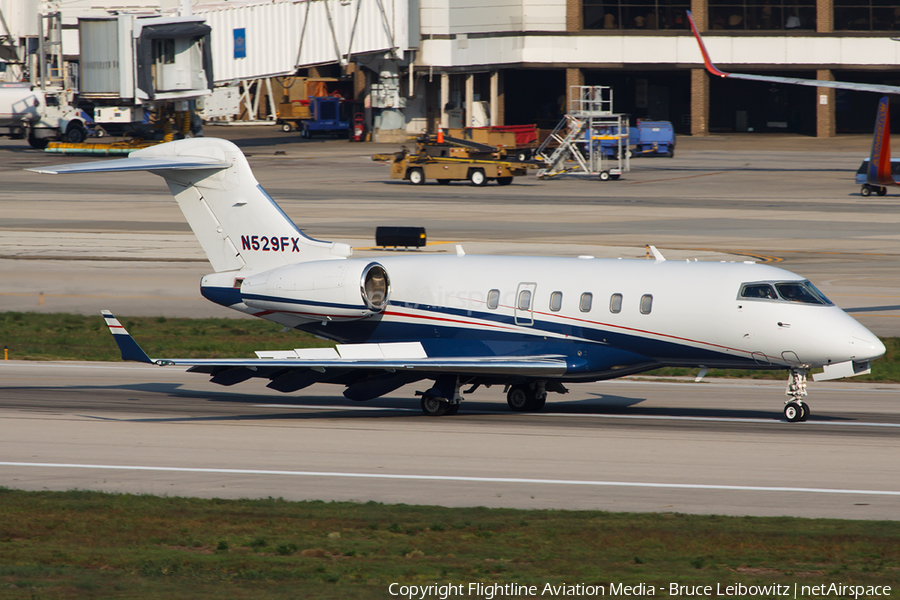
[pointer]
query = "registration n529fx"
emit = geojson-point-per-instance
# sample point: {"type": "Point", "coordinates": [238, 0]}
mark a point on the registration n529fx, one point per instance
{"type": "Point", "coordinates": [531, 324]}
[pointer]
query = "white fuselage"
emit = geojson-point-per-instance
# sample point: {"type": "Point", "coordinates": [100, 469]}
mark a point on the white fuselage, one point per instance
{"type": "Point", "coordinates": [670, 313]}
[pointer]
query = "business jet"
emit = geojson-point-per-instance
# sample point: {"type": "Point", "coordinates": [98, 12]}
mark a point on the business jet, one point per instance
{"type": "Point", "coordinates": [531, 324]}
{"type": "Point", "coordinates": [840, 85]}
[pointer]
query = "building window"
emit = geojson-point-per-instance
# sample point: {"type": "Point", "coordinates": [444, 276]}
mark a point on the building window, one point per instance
{"type": "Point", "coordinates": [493, 299]}
{"type": "Point", "coordinates": [555, 301]}
{"type": "Point", "coordinates": [636, 14]}
{"type": "Point", "coordinates": [766, 15]}
{"type": "Point", "coordinates": [866, 15]}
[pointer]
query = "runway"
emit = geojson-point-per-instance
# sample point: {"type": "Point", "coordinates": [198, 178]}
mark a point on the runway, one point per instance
{"type": "Point", "coordinates": [119, 242]}
{"type": "Point", "coordinates": [638, 445]}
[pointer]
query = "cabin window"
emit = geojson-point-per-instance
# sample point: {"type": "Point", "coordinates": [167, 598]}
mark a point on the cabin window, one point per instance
{"type": "Point", "coordinates": [801, 291]}
{"type": "Point", "coordinates": [555, 301]}
{"type": "Point", "coordinates": [615, 303]}
{"type": "Point", "coordinates": [493, 299]}
{"type": "Point", "coordinates": [587, 299]}
{"type": "Point", "coordinates": [646, 304]}
{"type": "Point", "coordinates": [759, 290]}
{"type": "Point", "coordinates": [524, 300]}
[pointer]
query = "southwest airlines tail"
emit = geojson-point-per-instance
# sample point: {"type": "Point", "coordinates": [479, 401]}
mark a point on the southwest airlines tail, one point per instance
{"type": "Point", "coordinates": [879, 172]}
{"type": "Point", "coordinates": [236, 222]}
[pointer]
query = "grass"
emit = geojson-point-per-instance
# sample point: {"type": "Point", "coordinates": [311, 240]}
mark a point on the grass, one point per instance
{"type": "Point", "coordinates": [61, 336]}
{"type": "Point", "coordinates": [89, 544]}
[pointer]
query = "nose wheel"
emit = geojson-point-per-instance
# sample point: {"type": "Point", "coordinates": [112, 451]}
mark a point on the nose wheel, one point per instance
{"type": "Point", "coordinates": [795, 409]}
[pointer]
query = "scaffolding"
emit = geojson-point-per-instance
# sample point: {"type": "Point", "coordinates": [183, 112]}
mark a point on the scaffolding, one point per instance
{"type": "Point", "coordinates": [589, 139]}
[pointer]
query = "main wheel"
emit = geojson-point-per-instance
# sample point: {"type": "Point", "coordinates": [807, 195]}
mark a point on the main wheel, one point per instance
{"type": "Point", "coordinates": [539, 403]}
{"type": "Point", "coordinates": [866, 190]}
{"type": "Point", "coordinates": [452, 409]}
{"type": "Point", "coordinates": [882, 191]}
{"type": "Point", "coordinates": [604, 175]}
{"type": "Point", "coordinates": [433, 406]}
{"type": "Point", "coordinates": [504, 180]}
{"type": "Point", "coordinates": [805, 408]}
{"type": "Point", "coordinates": [793, 412]}
{"type": "Point", "coordinates": [286, 127]}
{"type": "Point", "coordinates": [521, 398]}
{"type": "Point", "coordinates": [614, 177]}
{"type": "Point", "coordinates": [76, 133]}
{"type": "Point", "coordinates": [443, 182]}
{"type": "Point", "coordinates": [416, 176]}
{"type": "Point", "coordinates": [38, 143]}
{"type": "Point", "coordinates": [476, 177]}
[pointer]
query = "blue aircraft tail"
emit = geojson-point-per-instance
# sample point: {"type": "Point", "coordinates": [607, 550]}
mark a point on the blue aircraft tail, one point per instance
{"type": "Point", "coordinates": [879, 172]}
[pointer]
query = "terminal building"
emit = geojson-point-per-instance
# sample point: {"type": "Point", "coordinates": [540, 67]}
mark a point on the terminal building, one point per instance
{"type": "Point", "coordinates": [417, 64]}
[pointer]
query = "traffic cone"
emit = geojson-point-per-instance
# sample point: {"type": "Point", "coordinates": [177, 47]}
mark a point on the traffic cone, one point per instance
{"type": "Point", "coordinates": [440, 136]}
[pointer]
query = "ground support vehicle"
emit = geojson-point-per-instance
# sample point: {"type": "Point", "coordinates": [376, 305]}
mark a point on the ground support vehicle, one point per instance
{"type": "Point", "coordinates": [578, 137]}
{"type": "Point", "coordinates": [649, 138]}
{"type": "Point", "coordinates": [327, 114]}
{"type": "Point", "coordinates": [418, 168]}
{"type": "Point", "coordinates": [866, 189]}
{"type": "Point", "coordinates": [654, 137]}
{"type": "Point", "coordinates": [518, 142]}
{"type": "Point", "coordinates": [292, 114]}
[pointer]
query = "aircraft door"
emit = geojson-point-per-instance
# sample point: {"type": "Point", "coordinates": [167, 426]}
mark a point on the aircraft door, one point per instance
{"type": "Point", "coordinates": [524, 304]}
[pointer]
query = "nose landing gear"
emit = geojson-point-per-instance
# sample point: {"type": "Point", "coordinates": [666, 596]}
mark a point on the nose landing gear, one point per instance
{"type": "Point", "coordinates": [795, 409]}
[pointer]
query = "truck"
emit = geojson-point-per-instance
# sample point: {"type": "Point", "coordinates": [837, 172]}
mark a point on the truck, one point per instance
{"type": "Point", "coordinates": [26, 111]}
{"type": "Point", "coordinates": [451, 159]}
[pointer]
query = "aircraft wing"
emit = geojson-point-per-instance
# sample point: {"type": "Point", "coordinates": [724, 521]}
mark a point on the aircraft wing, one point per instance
{"type": "Point", "coordinates": [840, 85]}
{"type": "Point", "coordinates": [407, 357]}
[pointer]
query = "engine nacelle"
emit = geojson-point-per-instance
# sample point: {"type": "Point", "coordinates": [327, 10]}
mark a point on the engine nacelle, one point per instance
{"type": "Point", "coordinates": [324, 290]}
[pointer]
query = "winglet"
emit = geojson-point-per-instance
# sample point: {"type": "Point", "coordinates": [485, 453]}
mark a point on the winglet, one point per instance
{"type": "Point", "coordinates": [709, 63]}
{"type": "Point", "coordinates": [880, 160]}
{"type": "Point", "coordinates": [130, 349]}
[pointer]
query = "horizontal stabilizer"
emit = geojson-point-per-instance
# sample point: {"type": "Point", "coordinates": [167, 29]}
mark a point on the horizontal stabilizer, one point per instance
{"type": "Point", "coordinates": [190, 163]}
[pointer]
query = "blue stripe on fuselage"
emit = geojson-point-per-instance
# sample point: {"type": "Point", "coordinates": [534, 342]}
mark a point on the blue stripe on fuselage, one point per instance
{"type": "Point", "coordinates": [600, 347]}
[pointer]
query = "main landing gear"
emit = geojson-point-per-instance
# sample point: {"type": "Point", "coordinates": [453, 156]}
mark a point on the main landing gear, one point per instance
{"type": "Point", "coordinates": [527, 397]}
{"type": "Point", "coordinates": [795, 409]}
{"type": "Point", "coordinates": [443, 398]}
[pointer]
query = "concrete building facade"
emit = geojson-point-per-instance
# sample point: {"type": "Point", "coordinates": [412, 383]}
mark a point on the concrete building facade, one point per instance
{"type": "Point", "coordinates": [519, 56]}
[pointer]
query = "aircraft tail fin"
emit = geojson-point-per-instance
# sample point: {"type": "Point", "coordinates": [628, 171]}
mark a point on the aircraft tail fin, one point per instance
{"type": "Point", "coordinates": [879, 172]}
{"type": "Point", "coordinates": [236, 222]}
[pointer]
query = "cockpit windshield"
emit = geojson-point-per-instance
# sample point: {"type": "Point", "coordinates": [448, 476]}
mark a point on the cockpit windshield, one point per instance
{"type": "Point", "coordinates": [786, 291]}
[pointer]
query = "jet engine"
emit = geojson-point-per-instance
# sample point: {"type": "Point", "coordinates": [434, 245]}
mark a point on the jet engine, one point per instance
{"type": "Point", "coordinates": [326, 290]}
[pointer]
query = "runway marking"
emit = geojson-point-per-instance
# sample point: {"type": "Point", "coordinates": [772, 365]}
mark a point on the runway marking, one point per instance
{"type": "Point", "coordinates": [676, 178]}
{"type": "Point", "coordinates": [717, 419]}
{"type": "Point", "coordinates": [338, 407]}
{"type": "Point", "coordinates": [583, 415]}
{"type": "Point", "coordinates": [637, 484]}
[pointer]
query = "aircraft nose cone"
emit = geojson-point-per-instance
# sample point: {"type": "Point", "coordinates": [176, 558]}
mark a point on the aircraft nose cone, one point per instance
{"type": "Point", "coordinates": [865, 346]}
